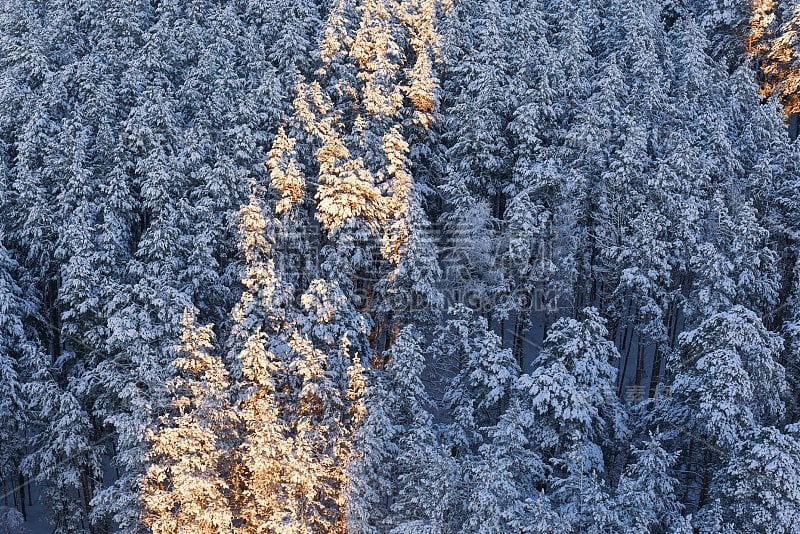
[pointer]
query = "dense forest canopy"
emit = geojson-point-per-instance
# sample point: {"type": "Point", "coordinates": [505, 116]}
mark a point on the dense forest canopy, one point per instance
{"type": "Point", "coordinates": [399, 266]}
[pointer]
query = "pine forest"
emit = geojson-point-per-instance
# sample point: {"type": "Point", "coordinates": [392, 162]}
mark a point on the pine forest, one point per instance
{"type": "Point", "coordinates": [399, 266]}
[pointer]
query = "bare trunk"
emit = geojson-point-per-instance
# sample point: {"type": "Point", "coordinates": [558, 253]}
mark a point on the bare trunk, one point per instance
{"type": "Point", "coordinates": [625, 359]}
{"type": "Point", "coordinates": [637, 380]}
{"type": "Point", "coordinates": [21, 482]}
{"type": "Point", "coordinates": [86, 482]}
{"type": "Point", "coordinates": [518, 349]}
{"type": "Point", "coordinates": [655, 373]}
{"type": "Point", "coordinates": [705, 481]}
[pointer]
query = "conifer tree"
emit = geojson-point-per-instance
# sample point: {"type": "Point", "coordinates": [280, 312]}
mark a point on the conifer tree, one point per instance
{"type": "Point", "coordinates": [429, 484]}
{"type": "Point", "coordinates": [727, 382]}
{"type": "Point", "coordinates": [371, 471]}
{"type": "Point", "coordinates": [505, 477]}
{"type": "Point", "coordinates": [18, 352]}
{"type": "Point", "coordinates": [646, 497]}
{"type": "Point", "coordinates": [571, 388]}
{"type": "Point", "coordinates": [186, 486]}
{"type": "Point", "coordinates": [485, 374]}
{"type": "Point", "coordinates": [477, 110]}
{"type": "Point", "coordinates": [757, 490]}
{"type": "Point", "coordinates": [580, 496]}
{"type": "Point", "coordinates": [259, 332]}
{"type": "Point", "coordinates": [792, 333]}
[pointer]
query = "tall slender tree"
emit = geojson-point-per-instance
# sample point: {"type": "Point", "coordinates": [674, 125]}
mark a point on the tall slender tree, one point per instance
{"type": "Point", "coordinates": [186, 486]}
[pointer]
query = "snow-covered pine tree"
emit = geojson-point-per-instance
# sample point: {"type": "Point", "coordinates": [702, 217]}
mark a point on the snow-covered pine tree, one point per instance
{"type": "Point", "coordinates": [477, 109]}
{"type": "Point", "coordinates": [428, 488]}
{"type": "Point", "coordinates": [590, 142]}
{"type": "Point", "coordinates": [571, 390]}
{"type": "Point", "coordinates": [325, 359]}
{"type": "Point", "coordinates": [737, 267]}
{"type": "Point", "coordinates": [63, 457]}
{"type": "Point", "coordinates": [18, 352]}
{"type": "Point", "coordinates": [504, 479]}
{"type": "Point", "coordinates": [537, 267]}
{"type": "Point", "coordinates": [263, 476]}
{"type": "Point", "coordinates": [646, 497]}
{"type": "Point", "coordinates": [757, 489]}
{"type": "Point", "coordinates": [727, 382]}
{"type": "Point", "coordinates": [370, 475]}
{"type": "Point", "coordinates": [186, 488]}
{"type": "Point", "coordinates": [360, 111]}
{"type": "Point", "coordinates": [792, 333]}
{"type": "Point", "coordinates": [484, 375]}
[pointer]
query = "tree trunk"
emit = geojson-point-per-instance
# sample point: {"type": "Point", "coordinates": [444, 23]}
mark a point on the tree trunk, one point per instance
{"type": "Point", "coordinates": [655, 373]}
{"type": "Point", "coordinates": [705, 481]}
{"type": "Point", "coordinates": [87, 497]}
{"type": "Point", "coordinates": [637, 380]}
{"type": "Point", "coordinates": [21, 482]}
{"type": "Point", "coordinates": [518, 349]}
{"type": "Point", "coordinates": [625, 359]}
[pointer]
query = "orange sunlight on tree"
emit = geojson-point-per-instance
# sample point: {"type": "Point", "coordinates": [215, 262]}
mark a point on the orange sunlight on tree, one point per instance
{"type": "Point", "coordinates": [774, 46]}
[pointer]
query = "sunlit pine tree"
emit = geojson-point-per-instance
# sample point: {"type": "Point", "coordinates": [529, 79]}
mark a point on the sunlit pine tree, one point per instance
{"type": "Point", "coordinates": [186, 486]}
{"type": "Point", "coordinates": [257, 337]}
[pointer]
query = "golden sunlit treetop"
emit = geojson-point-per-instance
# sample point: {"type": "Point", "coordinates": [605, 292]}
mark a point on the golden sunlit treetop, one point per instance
{"type": "Point", "coordinates": [773, 44]}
